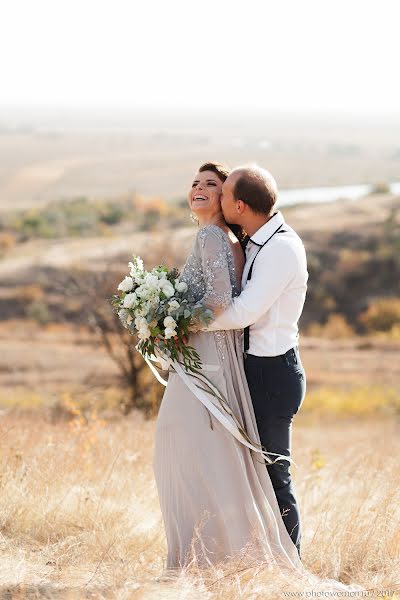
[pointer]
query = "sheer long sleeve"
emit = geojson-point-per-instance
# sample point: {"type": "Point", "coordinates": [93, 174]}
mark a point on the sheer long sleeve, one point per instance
{"type": "Point", "coordinates": [212, 247]}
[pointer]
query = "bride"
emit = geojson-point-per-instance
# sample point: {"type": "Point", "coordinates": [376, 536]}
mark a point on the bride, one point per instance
{"type": "Point", "coordinates": [216, 497]}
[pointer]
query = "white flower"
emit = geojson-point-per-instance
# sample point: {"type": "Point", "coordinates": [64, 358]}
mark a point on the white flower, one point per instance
{"type": "Point", "coordinates": [138, 278]}
{"type": "Point", "coordinates": [136, 271]}
{"type": "Point", "coordinates": [141, 311]}
{"type": "Point", "coordinates": [129, 300]}
{"type": "Point", "coordinates": [126, 284]}
{"type": "Point", "coordinates": [144, 333]}
{"type": "Point", "coordinates": [181, 286]}
{"type": "Point", "coordinates": [137, 264]}
{"type": "Point", "coordinates": [152, 281]}
{"type": "Point", "coordinates": [169, 322]}
{"type": "Point", "coordinates": [169, 333]}
{"type": "Point", "coordinates": [168, 289]}
{"type": "Point", "coordinates": [143, 328]}
{"type": "Point", "coordinates": [147, 306]}
{"type": "Point", "coordinates": [173, 305]}
{"type": "Point", "coordinates": [154, 301]}
{"type": "Point", "coordinates": [144, 292]}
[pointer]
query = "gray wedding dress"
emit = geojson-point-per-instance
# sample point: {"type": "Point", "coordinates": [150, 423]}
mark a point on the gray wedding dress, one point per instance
{"type": "Point", "coordinates": [215, 494]}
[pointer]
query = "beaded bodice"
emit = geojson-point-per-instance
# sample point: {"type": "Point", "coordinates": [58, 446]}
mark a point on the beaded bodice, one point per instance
{"type": "Point", "coordinates": [209, 270]}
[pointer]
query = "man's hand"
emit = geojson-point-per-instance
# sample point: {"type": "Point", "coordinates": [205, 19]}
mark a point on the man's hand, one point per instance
{"type": "Point", "coordinates": [196, 325]}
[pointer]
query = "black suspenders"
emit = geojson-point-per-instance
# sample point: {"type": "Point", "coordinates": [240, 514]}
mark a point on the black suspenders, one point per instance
{"type": "Point", "coordinates": [247, 329]}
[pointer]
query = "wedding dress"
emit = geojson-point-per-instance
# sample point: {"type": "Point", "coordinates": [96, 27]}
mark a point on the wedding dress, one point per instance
{"type": "Point", "coordinates": [216, 496]}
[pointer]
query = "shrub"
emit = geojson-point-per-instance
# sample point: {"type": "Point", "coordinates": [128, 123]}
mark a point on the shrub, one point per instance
{"type": "Point", "coordinates": [381, 315]}
{"type": "Point", "coordinates": [33, 292]}
{"type": "Point", "coordinates": [351, 261]}
{"type": "Point", "coordinates": [335, 327]}
{"type": "Point", "coordinates": [356, 400]}
{"type": "Point", "coordinates": [39, 311]}
{"type": "Point", "coordinates": [112, 215]}
{"type": "Point", "coordinates": [81, 216]}
{"type": "Point", "coordinates": [7, 241]}
{"type": "Point", "coordinates": [380, 188]}
{"type": "Point", "coordinates": [150, 219]}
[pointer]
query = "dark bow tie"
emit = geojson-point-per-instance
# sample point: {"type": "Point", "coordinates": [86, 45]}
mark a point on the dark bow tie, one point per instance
{"type": "Point", "coordinates": [246, 241]}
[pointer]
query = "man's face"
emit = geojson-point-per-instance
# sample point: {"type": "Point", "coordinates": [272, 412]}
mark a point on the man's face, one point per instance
{"type": "Point", "coordinates": [228, 203]}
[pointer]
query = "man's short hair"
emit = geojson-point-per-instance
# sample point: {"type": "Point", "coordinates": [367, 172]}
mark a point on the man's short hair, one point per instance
{"type": "Point", "coordinates": [256, 187]}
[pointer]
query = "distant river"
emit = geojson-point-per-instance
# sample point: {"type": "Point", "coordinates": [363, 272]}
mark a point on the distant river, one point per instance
{"type": "Point", "coordinates": [329, 194]}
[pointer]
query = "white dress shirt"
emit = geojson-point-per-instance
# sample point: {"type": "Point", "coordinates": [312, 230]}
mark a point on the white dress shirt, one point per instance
{"type": "Point", "coordinates": [271, 302]}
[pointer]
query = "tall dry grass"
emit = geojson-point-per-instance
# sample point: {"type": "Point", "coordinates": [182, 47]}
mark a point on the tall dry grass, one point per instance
{"type": "Point", "coordinates": [80, 517]}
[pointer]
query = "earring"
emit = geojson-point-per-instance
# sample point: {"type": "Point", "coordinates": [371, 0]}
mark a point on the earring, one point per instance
{"type": "Point", "coordinates": [193, 218]}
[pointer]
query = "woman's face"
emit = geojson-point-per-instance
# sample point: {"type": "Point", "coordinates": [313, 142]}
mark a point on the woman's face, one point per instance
{"type": "Point", "coordinates": [205, 194]}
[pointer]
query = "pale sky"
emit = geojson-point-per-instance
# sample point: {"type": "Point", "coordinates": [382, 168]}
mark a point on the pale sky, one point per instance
{"type": "Point", "coordinates": [288, 54]}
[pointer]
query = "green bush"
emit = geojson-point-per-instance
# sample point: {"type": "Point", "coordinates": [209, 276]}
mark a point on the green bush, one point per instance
{"type": "Point", "coordinates": [38, 311]}
{"type": "Point", "coordinates": [83, 217]}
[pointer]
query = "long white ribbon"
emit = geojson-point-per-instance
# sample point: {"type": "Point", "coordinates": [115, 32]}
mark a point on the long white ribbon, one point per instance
{"type": "Point", "coordinates": [200, 394]}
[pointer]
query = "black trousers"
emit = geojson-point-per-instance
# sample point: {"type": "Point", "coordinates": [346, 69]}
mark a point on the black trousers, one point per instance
{"type": "Point", "coordinates": [277, 387]}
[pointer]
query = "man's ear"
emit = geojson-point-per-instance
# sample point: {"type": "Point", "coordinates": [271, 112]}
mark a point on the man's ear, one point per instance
{"type": "Point", "coordinates": [240, 206]}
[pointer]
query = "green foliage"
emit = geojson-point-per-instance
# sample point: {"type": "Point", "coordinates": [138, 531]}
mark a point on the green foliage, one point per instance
{"type": "Point", "coordinates": [38, 310]}
{"type": "Point", "coordinates": [112, 214]}
{"type": "Point", "coordinates": [150, 219]}
{"type": "Point", "coordinates": [80, 216]}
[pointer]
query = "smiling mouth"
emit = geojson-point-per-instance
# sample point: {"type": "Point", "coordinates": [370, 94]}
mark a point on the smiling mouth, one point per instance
{"type": "Point", "coordinates": [201, 198]}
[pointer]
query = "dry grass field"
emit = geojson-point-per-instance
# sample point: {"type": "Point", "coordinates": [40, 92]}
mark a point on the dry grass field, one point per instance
{"type": "Point", "coordinates": [80, 517]}
{"type": "Point", "coordinates": [38, 363]}
{"type": "Point", "coordinates": [79, 513]}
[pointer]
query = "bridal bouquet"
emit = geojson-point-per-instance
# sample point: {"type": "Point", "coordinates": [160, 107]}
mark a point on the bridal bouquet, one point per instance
{"type": "Point", "coordinates": [158, 308]}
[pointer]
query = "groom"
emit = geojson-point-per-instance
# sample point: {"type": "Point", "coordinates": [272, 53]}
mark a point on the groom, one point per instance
{"type": "Point", "coordinates": [274, 286]}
